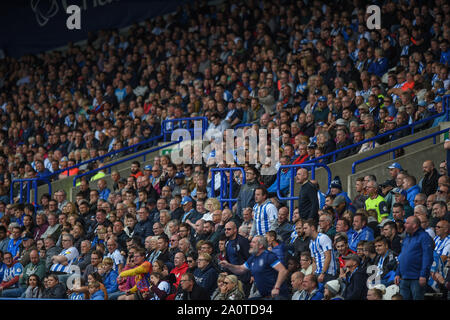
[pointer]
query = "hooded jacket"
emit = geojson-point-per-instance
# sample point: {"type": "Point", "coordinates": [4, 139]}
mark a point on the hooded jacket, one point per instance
{"type": "Point", "coordinates": [416, 256]}
{"type": "Point", "coordinates": [206, 278]}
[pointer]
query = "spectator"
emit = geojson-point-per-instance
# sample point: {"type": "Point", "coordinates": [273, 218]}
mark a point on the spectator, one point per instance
{"type": "Point", "coordinates": [376, 201]}
{"type": "Point", "coordinates": [54, 289]}
{"type": "Point", "coordinates": [308, 203]}
{"type": "Point", "coordinates": [414, 261]}
{"type": "Point", "coordinates": [267, 270]}
{"type": "Point", "coordinates": [231, 289]}
{"type": "Point", "coordinates": [190, 290]}
{"type": "Point", "coordinates": [310, 288]}
{"type": "Point", "coordinates": [321, 248]}
{"type": "Point", "coordinates": [296, 283]}
{"type": "Point", "coordinates": [11, 276]}
{"type": "Point", "coordinates": [206, 275]}
{"type": "Point", "coordinates": [429, 183]}
{"type": "Point", "coordinates": [140, 272]}
{"type": "Point", "coordinates": [332, 290]}
{"type": "Point", "coordinates": [362, 231]}
{"type": "Point", "coordinates": [354, 279]}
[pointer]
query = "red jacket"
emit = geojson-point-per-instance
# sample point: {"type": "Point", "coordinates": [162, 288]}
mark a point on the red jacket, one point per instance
{"type": "Point", "coordinates": [178, 272]}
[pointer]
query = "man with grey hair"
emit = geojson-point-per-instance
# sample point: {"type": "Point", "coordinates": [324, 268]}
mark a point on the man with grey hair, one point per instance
{"type": "Point", "coordinates": [267, 270]}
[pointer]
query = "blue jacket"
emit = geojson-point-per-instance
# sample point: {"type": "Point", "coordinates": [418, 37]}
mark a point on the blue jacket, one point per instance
{"type": "Point", "coordinates": [110, 281]}
{"type": "Point", "coordinates": [379, 67]}
{"type": "Point", "coordinates": [365, 233]}
{"type": "Point", "coordinates": [285, 178]}
{"type": "Point", "coordinates": [98, 295]}
{"type": "Point", "coordinates": [416, 257]}
{"type": "Point", "coordinates": [207, 278]}
{"type": "Point", "coordinates": [411, 194]}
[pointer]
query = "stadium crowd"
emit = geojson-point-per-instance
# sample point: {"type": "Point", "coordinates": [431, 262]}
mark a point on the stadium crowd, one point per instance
{"type": "Point", "coordinates": [309, 68]}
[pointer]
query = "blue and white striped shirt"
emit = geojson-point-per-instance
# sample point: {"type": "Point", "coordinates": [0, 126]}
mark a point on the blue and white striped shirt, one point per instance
{"type": "Point", "coordinates": [318, 247]}
{"type": "Point", "coordinates": [263, 216]}
{"type": "Point", "coordinates": [442, 246]}
{"type": "Point", "coordinates": [71, 254]}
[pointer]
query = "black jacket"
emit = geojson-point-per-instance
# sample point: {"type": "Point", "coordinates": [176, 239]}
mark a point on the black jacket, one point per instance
{"type": "Point", "coordinates": [308, 202]}
{"type": "Point", "coordinates": [197, 293]}
{"type": "Point", "coordinates": [355, 286]}
{"type": "Point", "coordinates": [57, 292]}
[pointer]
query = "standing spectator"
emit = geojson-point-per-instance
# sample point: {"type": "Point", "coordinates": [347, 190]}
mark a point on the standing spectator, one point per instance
{"type": "Point", "coordinates": [308, 202]}
{"type": "Point", "coordinates": [414, 261]}
{"type": "Point", "coordinates": [268, 272]}
{"type": "Point", "coordinates": [282, 226]}
{"type": "Point", "coordinates": [237, 251]}
{"type": "Point", "coordinates": [247, 191]}
{"type": "Point", "coordinates": [264, 212]}
{"type": "Point", "coordinates": [321, 248]}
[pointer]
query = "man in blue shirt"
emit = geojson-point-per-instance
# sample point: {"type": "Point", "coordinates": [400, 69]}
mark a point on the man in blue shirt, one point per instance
{"type": "Point", "coordinates": [267, 270]}
{"type": "Point", "coordinates": [414, 261]}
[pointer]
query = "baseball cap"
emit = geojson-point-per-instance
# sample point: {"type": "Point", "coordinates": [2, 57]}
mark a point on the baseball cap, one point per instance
{"type": "Point", "coordinates": [400, 191]}
{"type": "Point", "coordinates": [338, 200]}
{"type": "Point", "coordinates": [148, 167]}
{"type": "Point", "coordinates": [395, 165]}
{"type": "Point", "coordinates": [179, 175]}
{"type": "Point", "coordinates": [440, 91]}
{"type": "Point", "coordinates": [312, 145]}
{"type": "Point", "coordinates": [353, 257]}
{"type": "Point", "coordinates": [322, 98]}
{"type": "Point", "coordinates": [438, 99]}
{"type": "Point", "coordinates": [390, 119]}
{"type": "Point", "coordinates": [185, 200]}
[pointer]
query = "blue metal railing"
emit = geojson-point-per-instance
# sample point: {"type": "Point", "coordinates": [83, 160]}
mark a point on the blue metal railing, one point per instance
{"type": "Point", "coordinates": [170, 125]}
{"type": "Point", "coordinates": [224, 183]}
{"type": "Point", "coordinates": [292, 197]}
{"type": "Point", "coordinates": [242, 125]}
{"type": "Point", "coordinates": [445, 111]}
{"type": "Point", "coordinates": [432, 135]}
{"type": "Point", "coordinates": [31, 184]}
{"type": "Point", "coordinates": [112, 164]}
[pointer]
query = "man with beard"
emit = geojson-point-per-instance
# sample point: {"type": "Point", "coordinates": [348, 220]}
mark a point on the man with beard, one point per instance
{"type": "Point", "coordinates": [429, 183]}
{"type": "Point", "coordinates": [267, 270]}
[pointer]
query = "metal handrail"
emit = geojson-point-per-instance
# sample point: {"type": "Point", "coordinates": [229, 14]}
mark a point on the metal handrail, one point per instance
{"type": "Point", "coordinates": [393, 149]}
{"type": "Point", "coordinates": [292, 198]}
{"type": "Point", "coordinates": [224, 182]}
{"type": "Point", "coordinates": [411, 126]}
{"type": "Point", "coordinates": [32, 183]}
{"type": "Point", "coordinates": [165, 131]}
{"type": "Point", "coordinates": [108, 166]}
